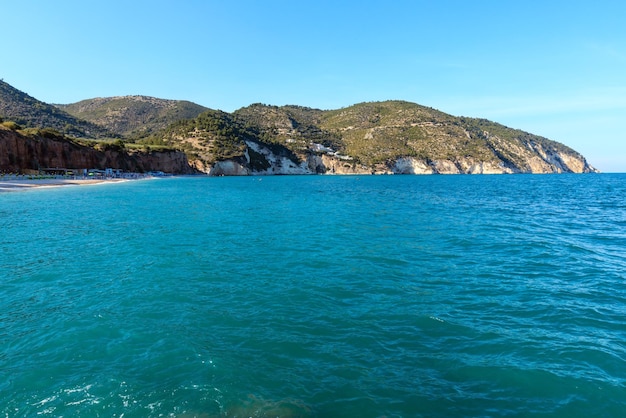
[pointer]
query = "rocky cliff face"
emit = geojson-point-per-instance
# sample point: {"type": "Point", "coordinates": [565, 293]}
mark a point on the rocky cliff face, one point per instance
{"type": "Point", "coordinates": [260, 160]}
{"type": "Point", "coordinates": [19, 153]}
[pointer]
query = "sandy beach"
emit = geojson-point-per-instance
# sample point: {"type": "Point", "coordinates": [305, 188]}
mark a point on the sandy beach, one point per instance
{"type": "Point", "coordinates": [9, 185]}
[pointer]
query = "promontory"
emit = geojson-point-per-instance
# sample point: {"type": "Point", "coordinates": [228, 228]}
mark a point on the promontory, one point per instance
{"type": "Point", "coordinates": [144, 134]}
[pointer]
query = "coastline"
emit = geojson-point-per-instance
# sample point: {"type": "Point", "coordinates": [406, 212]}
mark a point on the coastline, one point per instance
{"type": "Point", "coordinates": [13, 185]}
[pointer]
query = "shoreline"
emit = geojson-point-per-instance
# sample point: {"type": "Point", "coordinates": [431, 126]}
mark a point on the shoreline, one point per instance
{"type": "Point", "coordinates": [14, 185]}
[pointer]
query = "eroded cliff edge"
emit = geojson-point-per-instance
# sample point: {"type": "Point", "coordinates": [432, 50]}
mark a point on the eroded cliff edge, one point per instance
{"type": "Point", "coordinates": [21, 153]}
{"type": "Point", "coordinates": [258, 159]}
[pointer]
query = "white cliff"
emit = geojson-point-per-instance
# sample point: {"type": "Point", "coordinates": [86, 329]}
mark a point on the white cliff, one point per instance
{"type": "Point", "coordinates": [260, 159]}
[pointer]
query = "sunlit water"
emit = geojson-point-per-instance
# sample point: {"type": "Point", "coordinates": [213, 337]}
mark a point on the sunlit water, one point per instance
{"type": "Point", "coordinates": [316, 296]}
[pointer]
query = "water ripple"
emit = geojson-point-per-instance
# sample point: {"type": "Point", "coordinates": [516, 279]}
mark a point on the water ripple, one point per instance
{"type": "Point", "coordinates": [316, 296]}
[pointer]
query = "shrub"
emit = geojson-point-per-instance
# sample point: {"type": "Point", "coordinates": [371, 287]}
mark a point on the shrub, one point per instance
{"type": "Point", "coordinates": [11, 125]}
{"type": "Point", "coordinates": [50, 133]}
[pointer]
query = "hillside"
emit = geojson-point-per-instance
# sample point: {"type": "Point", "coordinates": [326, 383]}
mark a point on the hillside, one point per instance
{"type": "Point", "coordinates": [381, 137]}
{"type": "Point", "coordinates": [392, 137]}
{"type": "Point", "coordinates": [376, 133]}
{"type": "Point", "coordinates": [133, 116]}
{"type": "Point", "coordinates": [27, 111]}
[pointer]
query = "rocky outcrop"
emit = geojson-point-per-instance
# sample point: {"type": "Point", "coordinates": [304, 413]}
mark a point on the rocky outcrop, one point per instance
{"type": "Point", "coordinates": [263, 160]}
{"type": "Point", "coordinates": [19, 153]}
{"type": "Point", "coordinates": [327, 164]}
{"type": "Point", "coordinates": [260, 160]}
{"type": "Point", "coordinates": [410, 165]}
{"type": "Point", "coordinates": [229, 168]}
{"type": "Point", "coordinates": [173, 162]}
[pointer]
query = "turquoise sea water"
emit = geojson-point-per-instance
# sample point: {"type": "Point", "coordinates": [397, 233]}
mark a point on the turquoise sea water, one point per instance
{"type": "Point", "coordinates": [395, 296]}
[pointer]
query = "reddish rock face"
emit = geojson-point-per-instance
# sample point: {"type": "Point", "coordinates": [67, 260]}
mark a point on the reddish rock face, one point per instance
{"type": "Point", "coordinates": [19, 153]}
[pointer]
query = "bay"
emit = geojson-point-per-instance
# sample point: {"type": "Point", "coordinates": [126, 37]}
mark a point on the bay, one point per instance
{"type": "Point", "coordinates": [316, 296]}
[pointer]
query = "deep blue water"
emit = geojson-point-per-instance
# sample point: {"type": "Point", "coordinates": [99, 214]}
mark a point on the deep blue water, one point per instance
{"type": "Point", "coordinates": [316, 296]}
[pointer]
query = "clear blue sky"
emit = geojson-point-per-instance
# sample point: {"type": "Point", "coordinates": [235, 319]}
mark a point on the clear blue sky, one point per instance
{"type": "Point", "coordinates": [552, 68]}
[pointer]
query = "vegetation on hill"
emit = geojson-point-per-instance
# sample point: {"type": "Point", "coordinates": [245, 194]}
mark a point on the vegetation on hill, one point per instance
{"type": "Point", "coordinates": [212, 136]}
{"type": "Point", "coordinates": [294, 127]}
{"type": "Point", "coordinates": [375, 134]}
{"type": "Point", "coordinates": [370, 133]}
{"type": "Point", "coordinates": [133, 117]}
{"type": "Point", "coordinates": [27, 111]}
{"type": "Point", "coordinates": [383, 131]}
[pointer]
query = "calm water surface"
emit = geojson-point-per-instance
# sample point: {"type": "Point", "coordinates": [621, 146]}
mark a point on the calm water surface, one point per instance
{"type": "Point", "coordinates": [317, 296]}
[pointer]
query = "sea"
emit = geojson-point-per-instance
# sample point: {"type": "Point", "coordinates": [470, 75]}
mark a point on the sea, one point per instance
{"type": "Point", "coordinates": [316, 296]}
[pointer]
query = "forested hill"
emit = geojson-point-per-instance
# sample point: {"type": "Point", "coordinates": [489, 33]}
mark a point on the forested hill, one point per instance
{"type": "Point", "coordinates": [374, 137]}
{"type": "Point", "coordinates": [133, 116]}
{"type": "Point", "coordinates": [378, 137]}
{"type": "Point", "coordinates": [27, 111]}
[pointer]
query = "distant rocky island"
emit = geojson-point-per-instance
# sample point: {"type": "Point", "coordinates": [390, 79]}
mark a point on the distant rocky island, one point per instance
{"type": "Point", "coordinates": [140, 133]}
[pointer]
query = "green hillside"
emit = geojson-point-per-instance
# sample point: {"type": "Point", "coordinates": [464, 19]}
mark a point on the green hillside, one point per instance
{"type": "Point", "coordinates": [294, 127]}
{"type": "Point", "coordinates": [212, 136]}
{"type": "Point", "coordinates": [27, 111]}
{"type": "Point", "coordinates": [133, 116]}
{"type": "Point", "coordinates": [365, 137]}
{"type": "Point", "coordinates": [383, 131]}
{"type": "Point", "coordinates": [370, 133]}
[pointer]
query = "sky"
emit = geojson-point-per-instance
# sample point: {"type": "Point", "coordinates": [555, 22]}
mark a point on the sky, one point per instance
{"type": "Point", "coordinates": [549, 67]}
